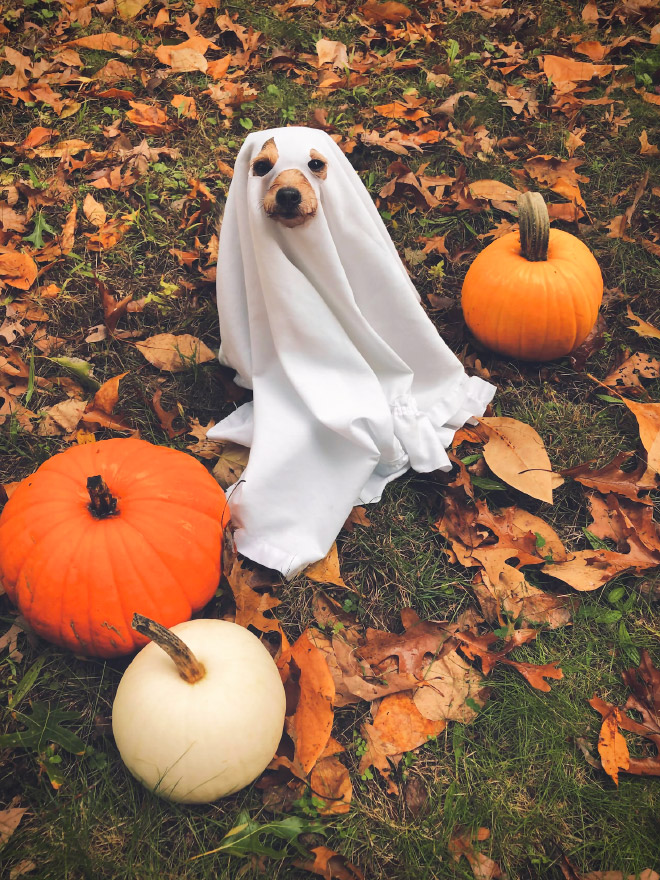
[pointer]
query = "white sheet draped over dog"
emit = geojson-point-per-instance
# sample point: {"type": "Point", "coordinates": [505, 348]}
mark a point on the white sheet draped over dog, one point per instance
{"type": "Point", "coordinates": [352, 383]}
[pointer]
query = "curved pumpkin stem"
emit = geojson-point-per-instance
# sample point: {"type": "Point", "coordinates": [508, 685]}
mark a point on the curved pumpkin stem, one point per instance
{"type": "Point", "coordinates": [187, 665]}
{"type": "Point", "coordinates": [102, 502]}
{"type": "Point", "coordinates": [534, 223]}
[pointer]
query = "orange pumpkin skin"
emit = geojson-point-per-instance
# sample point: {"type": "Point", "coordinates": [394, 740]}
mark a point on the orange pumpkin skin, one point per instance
{"type": "Point", "coordinates": [78, 579]}
{"type": "Point", "coordinates": [528, 310]}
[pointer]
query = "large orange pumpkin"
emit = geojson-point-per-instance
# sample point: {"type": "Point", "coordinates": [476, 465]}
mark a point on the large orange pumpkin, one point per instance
{"type": "Point", "coordinates": [104, 530]}
{"type": "Point", "coordinates": [533, 294]}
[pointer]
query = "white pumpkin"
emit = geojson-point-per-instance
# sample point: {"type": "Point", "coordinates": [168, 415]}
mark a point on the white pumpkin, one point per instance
{"type": "Point", "coordinates": [199, 724]}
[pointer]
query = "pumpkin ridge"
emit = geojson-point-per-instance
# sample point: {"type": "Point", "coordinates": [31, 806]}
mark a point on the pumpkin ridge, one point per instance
{"type": "Point", "coordinates": [63, 639]}
{"type": "Point", "coordinates": [175, 580]}
{"type": "Point", "coordinates": [139, 575]}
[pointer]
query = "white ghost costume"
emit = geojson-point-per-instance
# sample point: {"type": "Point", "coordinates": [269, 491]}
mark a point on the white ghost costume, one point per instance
{"type": "Point", "coordinates": [352, 385]}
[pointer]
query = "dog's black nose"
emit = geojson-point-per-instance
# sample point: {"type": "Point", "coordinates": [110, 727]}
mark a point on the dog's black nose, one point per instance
{"type": "Point", "coordinates": [288, 198]}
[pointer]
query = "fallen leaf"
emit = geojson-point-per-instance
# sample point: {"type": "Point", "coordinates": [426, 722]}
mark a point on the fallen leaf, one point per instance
{"type": "Point", "coordinates": [535, 674]}
{"type": "Point", "coordinates": [648, 421]}
{"type": "Point", "coordinates": [231, 464]}
{"type": "Point", "coordinates": [330, 781]}
{"type": "Point", "coordinates": [311, 724]}
{"type": "Point", "coordinates": [106, 42]}
{"type": "Point", "coordinates": [149, 118]}
{"type": "Point", "coordinates": [647, 149]}
{"type": "Point", "coordinates": [516, 454]}
{"type": "Point", "coordinates": [398, 727]}
{"type": "Point", "coordinates": [166, 418]}
{"type": "Point", "coordinates": [129, 9]}
{"type": "Point", "coordinates": [9, 640]}
{"type": "Point", "coordinates": [628, 374]}
{"type": "Point", "coordinates": [62, 418]}
{"type": "Point", "coordinates": [463, 843]}
{"type": "Point", "coordinates": [450, 690]}
{"type": "Point", "coordinates": [326, 570]}
{"type": "Point", "coordinates": [611, 478]}
{"type": "Point", "coordinates": [17, 270]}
{"type": "Point", "coordinates": [612, 747]}
{"type": "Point", "coordinates": [642, 328]}
{"type": "Point", "coordinates": [9, 822]}
{"type": "Point", "coordinates": [94, 211]}
{"type": "Point", "coordinates": [420, 637]}
{"type": "Point", "coordinates": [330, 865]}
{"type": "Point", "coordinates": [332, 52]}
{"type": "Point", "coordinates": [175, 353]}
{"type": "Point", "coordinates": [357, 517]}
{"type": "Point", "coordinates": [389, 11]}
{"type": "Point", "coordinates": [107, 396]}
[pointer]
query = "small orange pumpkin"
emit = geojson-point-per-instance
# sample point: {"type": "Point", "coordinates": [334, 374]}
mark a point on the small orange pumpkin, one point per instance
{"type": "Point", "coordinates": [533, 294]}
{"type": "Point", "coordinates": [104, 530]}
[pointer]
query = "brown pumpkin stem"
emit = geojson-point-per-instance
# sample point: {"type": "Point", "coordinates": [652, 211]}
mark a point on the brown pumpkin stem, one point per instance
{"type": "Point", "coordinates": [534, 224]}
{"type": "Point", "coordinates": [102, 502]}
{"type": "Point", "coordinates": [188, 666]}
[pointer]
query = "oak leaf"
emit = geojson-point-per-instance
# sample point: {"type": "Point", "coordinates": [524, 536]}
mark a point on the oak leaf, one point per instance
{"type": "Point", "coordinates": [420, 637]}
{"type": "Point", "coordinates": [642, 328]}
{"type": "Point", "coordinates": [231, 463]}
{"type": "Point", "coordinates": [451, 690]}
{"type": "Point", "coordinates": [611, 478]}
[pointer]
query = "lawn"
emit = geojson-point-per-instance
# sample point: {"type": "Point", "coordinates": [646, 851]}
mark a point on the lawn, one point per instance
{"type": "Point", "coordinates": [117, 146]}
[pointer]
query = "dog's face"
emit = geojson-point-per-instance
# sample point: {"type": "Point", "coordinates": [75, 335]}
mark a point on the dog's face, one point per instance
{"type": "Point", "coordinates": [290, 199]}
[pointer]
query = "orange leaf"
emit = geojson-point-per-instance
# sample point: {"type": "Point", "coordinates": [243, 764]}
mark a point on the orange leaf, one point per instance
{"type": "Point", "coordinates": [330, 865]}
{"type": "Point", "coordinates": [612, 747]}
{"type": "Point", "coordinates": [17, 270]}
{"type": "Point", "coordinates": [107, 396]}
{"type": "Point", "coordinates": [375, 13]}
{"type": "Point", "coordinates": [535, 674]}
{"type": "Point", "coordinates": [311, 725]}
{"type": "Point", "coordinates": [326, 570]}
{"type": "Point", "coordinates": [109, 42]}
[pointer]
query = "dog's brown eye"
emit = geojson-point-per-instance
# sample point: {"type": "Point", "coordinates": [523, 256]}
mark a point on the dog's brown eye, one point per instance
{"type": "Point", "coordinates": [316, 165]}
{"type": "Point", "coordinates": [261, 167]}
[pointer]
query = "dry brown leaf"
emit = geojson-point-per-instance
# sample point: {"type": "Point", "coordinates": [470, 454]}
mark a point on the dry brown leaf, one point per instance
{"type": "Point", "coordinates": [330, 865]}
{"type": "Point", "coordinates": [330, 781]}
{"type": "Point", "coordinates": [565, 72]}
{"type": "Point", "coordinates": [9, 822]}
{"type": "Point", "coordinates": [535, 674]}
{"type": "Point", "coordinates": [642, 328]}
{"type": "Point", "coordinates": [588, 570]}
{"type": "Point", "coordinates": [62, 418]}
{"type": "Point", "coordinates": [516, 454]}
{"type": "Point", "coordinates": [9, 640]}
{"type": "Point", "coordinates": [628, 374]}
{"type": "Point", "coordinates": [167, 417]}
{"type": "Point", "coordinates": [107, 42]}
{"type": "Point", "coordinates": [612, 478]}
{"type": "Point", "coordinates": [251, 595]}
{"type": "Point", "coordinates": [326, 570]}
{"type": "Point", "coordinates": [398, 727]}
{"type": "Point", "coordinates": [420, 637]}
{"type": "Point", "coordinates": [463, 843]}
{"type": "Point", "coordinates": [493, 190]}
{"type": "Point", "coordinates": [175, 353]}
{"type": "Point", "coordinates": [612, 747]}
{"type": "Point", "coordinates": [648, 420]}
{"type": "Point", "coordinates": [646, 148]}
{"type": "Point", "coordinates": [231, 464]}
{"type": "Point", "coordinates": [94, 211]}
{"type": "Point", "coordinates": [311, 724]}
{"type": "Point", "coordinates": [17, 270]}
{"type": "Point", "coordinates": [647, 874]}
{"type": "Point", "coordinates": [357, 517]}
{"type": "Point", "coordinates": [389, 11]}
{"type": "Point", "coordinates": [332, 52]}
{"type": "Point", "coordinates": [447, 686]}
{"type": "Point", "coordinates": [107, 396]}
{"type": "Point", "coordinates": [149, 118]}
{"type": "Point", "coordinates": [129, 9]}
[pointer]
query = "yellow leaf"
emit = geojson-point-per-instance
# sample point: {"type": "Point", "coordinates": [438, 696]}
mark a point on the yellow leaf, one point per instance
{"type": "Point", "coordinates": [129, 9]}
{"type": "Point", "coordinates": [643, 328]}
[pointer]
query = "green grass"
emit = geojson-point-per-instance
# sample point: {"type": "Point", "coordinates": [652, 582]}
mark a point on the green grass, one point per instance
{"type": "Point", "coordinates": [517, 769]}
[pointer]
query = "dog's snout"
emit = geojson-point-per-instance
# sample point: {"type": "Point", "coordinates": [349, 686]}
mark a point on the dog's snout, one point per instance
{"type": "Point", "coordinates": [288, 197]}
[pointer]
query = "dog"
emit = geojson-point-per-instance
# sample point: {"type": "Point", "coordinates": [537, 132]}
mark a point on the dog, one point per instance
{"type": "Point", "coordinates": [290, 200]}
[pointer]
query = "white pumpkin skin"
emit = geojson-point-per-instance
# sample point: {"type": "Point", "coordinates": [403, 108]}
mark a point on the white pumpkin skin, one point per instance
{"type": "Point", "coordinates": [194, 743]}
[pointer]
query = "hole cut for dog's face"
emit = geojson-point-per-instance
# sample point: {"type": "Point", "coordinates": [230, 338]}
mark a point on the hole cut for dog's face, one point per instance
{"type": "Point", "coordinates": [291, 199]}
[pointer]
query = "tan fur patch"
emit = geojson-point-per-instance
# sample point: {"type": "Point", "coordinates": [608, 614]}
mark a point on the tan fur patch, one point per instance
{"type": "Point", "coordinates": [307, 207]}
{"type": "Point", "coordinates": [323, 173]}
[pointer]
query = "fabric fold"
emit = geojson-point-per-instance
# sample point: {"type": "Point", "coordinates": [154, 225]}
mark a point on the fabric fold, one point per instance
{"type": "Point", "coordinates": [352, 384]}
